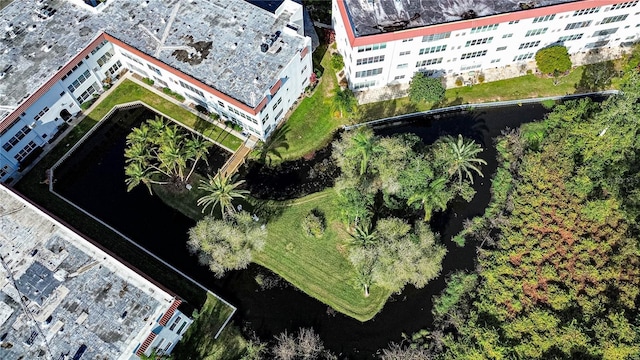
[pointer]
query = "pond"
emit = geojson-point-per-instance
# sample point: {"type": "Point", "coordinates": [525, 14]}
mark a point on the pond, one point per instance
{"type": "Point", "coordinates": [93, 178]}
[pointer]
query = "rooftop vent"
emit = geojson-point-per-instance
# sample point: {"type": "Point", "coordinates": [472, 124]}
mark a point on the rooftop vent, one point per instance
{"type": "Point", "coordinates": [264, 47]}
{"type": "Point", "coordinates": [46, 48]}
{"type": "Point", "coordinates": [32, 27]}
{"type": "Point", "coordinates": [9, 27]}
{"type": "Point", "coordinates": [145, 3]}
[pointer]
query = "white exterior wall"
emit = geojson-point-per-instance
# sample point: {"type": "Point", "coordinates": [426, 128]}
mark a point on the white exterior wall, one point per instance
{"type": "Point", "coordinates": [502, 50]}
{"type": "Point", "coordinates": [169, 335]}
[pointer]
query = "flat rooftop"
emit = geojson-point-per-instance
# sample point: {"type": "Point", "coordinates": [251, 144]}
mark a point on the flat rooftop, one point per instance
{"type": "Point", "coordinates": [215, 41]}
{"type": "Point", "coordinates": [370, 17]}
{"type": "Point", "coordinates": [60, 295]}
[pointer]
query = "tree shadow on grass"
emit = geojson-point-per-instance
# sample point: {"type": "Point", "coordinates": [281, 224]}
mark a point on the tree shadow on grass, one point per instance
{"type": "Point", "coordinates": [596, 77]}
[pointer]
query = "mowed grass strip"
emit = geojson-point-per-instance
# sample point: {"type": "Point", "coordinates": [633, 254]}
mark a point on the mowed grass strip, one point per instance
{"type": "Point", "coordinates": [129, 91]}
{"type": "Point", "coordinates": [199, 342]}
{"type": "Point", "coordinates": [312, 124]}
{"type": "Point", "coordinates": [318, 266]}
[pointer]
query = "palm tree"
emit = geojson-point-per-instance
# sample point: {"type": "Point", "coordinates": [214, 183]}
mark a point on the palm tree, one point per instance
{"type": "Point", "coordinates": [365, 145]}
{"type": "Point", "coordinates": [433, 197]}
{"type": "Point", "coordinates": [136, 174]}
{"type": "Point", "coordinates": [196, 148]}
{"type": "Point", "coordinates": [344, 101]}
{"type": "Point", "coordinates": [461, 157]}
{"type": "Point", "coordinates": [172, 159]}
{"type": "Point", "coordinates": [220, 191]}
{"type": "Point", "coordinates": [277, 140]}
{"type": "Point", "coordinates": [363, 235]}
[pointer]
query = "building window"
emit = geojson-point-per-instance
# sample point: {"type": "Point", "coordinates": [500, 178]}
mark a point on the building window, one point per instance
{"type": "Point", "coordinates": [402, 66]}
{"type": "Point", "coordinates": [15, 139]}
{"type": "Point", "coordinates": [365, 84]}
{"type": "Point", "coordinates": [436, 37]}
{"type": "Point", "coordinates": [470, 67]}
{"type": "Point", "coordinates": [94, 51]}
{"type": "Point", "coordinates": [160, 81]}
{"type": "Point", "coordinates": [624, 5]}
{"type": "Point", "coordinates": [77, 82]}
{"type": "Point", "coordinates": [433, 49]}
{"type": "Point", "coordinates": [479, 41]}
{"type": "Point", "coordinates": [612, 19]}
{"type": "Point", "coordinates": [71, 71]}
{"type": "Point", "coordinates": [495, 61]}
{"type": "Point", "coordinates": [540, 19]}
{"type": "Point", "coordinates": [570, 37]}
{"type": "Point", "coordinates": [403, 53]}
{"type": "Point", "coordinates": [367, 73]}
{"type": "Point", "coordinates": [528, 45]}
{"type": "Point", "coordinates": [514, 22]}
{"type": "Point", "coordinates": [474, 54]}
{"type": "Point", "coordinates": [586, 11]}
{"type": "Point", "coordinates": [4, 171]}
{"type": "Point", "coordinates": [131, 58]}
{"type": "Point", "coordinates": [523, 57]}
{"type": "Point", "coordinates": [577, 25]}
{"type": "Point", "coordinates": [480, 29]}
{"type": "Point", "coordinates": [407, 40]}
{"type": "Point", "coordinates": [87, 93]}
{"type": "Point", "coordinates": [276, 104]}
{"type": "Point", "coordinates": [370, 60]}
{"type": "Point", "coordinates": [597, 44]}
{"type": "Point", "coordinates": [605, 32]}
{"type": "Point", "coordinates": [303, 69]}
{"type": "Point", "coordinates": [104, 58]}
{"type": "Point", "coordinates": [372, 47]}
{"type": "Point", "coordinates": [221, 104]}
{"type": "Point", "coordinates": [265, 119]}
{"type": "Point", "coordinates": [113, 69]}
{"type": "Point", "coordinates": [157, 71]}
{"type": "Point", "coordinates": [189, 87]}
{"type": "Point", "coordinates": [536, 32]}
{"type": "Point", "coordinates": [399, 77]}
{"type": "Point", "coordinates": [42, 112]}
{"type": "Point", "coordinates": [25, 151]}
{"type": "Point", "coordinates": [428, 62]}
{"type": "Point", "coordinates": [501, 48]}
{"type": "Point", "coordinates": [278, 115]}
{"type": "Point", "coordinates": [175, 323]}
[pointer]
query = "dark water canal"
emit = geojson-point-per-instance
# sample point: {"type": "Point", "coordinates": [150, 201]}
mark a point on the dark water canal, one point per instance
{"type": "Point", "coordinates": [93, 178]}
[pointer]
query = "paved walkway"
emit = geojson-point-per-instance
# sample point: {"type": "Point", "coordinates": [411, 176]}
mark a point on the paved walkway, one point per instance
{"type": "Point", "coordinates": [495, 74]}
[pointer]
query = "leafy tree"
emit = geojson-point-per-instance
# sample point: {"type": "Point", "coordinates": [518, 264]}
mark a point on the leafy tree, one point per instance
{"type": "Point", "coordinates": [220, 191]}
{"type": "Point", "coordinates": [225, 245]}
{"type": "Point", "coordinates": [337, 62]}
{"type": "Point", "coordinates": [344, 102]}
{"type": "Point", "coordinates": [161, 153]}
{"type": "Point", "coordinates": [459, 157]}
{"type": "Point", "coordinates": [425, 88]}
{"type": "Point", "coordinates": [399, 256]}
{"type": "Point", "coordinates": [553, 60]}
{"type": "Point", "coordinates": [397, 352]}
{"type": "Point", "coordinates": [364, 146]}
{"type": "Point", "coordinates": [304, 345]}
{"type": "Point", "coordinates": [433, 197]}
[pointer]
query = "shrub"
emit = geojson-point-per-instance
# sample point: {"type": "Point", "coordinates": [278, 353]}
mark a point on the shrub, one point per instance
{"type": "Point", "coordinates": [202, 109]}
{"type": "Point", "coordinates": [481, 78]}
{"type": "Point", "coordinates": [337, 62]}
{"type": "Point", "coordinates": [425, 88]}
{"type": "Point", "coordinates": [167, 91]}
{"type": "Point", "coordinates": [148, 81]}
{"type": "Point", "coordinates": [459, 81]}
{"type": "Point", "coordinates": [314, 224]}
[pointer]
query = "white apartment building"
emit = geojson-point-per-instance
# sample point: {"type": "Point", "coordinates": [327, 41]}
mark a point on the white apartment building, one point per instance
{"type": "Point", "coordinates": [233, 58]}
{"type": "Point", "coordinates": [384, 42]}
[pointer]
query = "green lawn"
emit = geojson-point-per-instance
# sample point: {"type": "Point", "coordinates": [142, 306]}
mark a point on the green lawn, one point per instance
{"type": "Point", "coordinates": [318, 266]}
{"type": "Point", "coordinates": [199, 342]}
{"type": "Point", "coordinates": [313, 123]}
{"type": "Point", "coordinates": [129, 91]}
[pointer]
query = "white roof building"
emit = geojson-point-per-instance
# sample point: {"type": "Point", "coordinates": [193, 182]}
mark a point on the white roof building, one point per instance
{"type": "Point", "coordinates": [62, 297]}
{"type": "Point", "coordinates": [386, 42]}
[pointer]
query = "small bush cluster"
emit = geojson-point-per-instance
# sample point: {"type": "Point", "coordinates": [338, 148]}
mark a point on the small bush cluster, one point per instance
{"type": "Point", "coordinates": [173, 94]}
{"type": "Point", "coordinates": [148, 81]}
{"type": "Point", "coordinates": [314, 224]}
{"type": "Point", "coordinates": [233, 125]}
